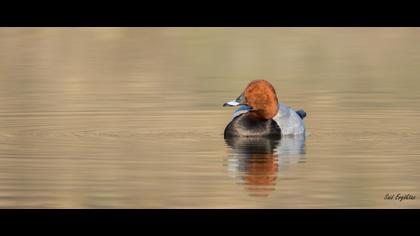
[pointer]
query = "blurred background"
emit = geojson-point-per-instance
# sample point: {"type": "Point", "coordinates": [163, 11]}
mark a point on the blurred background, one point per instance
{"type": "Point", "coordinates": [133, 117]}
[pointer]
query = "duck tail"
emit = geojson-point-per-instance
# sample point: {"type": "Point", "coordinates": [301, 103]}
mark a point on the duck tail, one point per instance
{"type": "Point", "coordinates": [301, 113]}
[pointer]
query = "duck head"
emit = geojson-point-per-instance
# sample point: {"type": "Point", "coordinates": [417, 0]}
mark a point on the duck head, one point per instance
{"type": "Point", "coordinates": [261, 97]}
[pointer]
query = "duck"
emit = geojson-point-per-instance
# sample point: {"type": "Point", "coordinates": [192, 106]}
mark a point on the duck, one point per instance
{"type": "Point", "coordinates": [261, 115]}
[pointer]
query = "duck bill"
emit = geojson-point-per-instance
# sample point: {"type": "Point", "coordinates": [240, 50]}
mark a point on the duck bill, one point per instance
{"type": "Point", "coordinates": [238, 101]}
{"type": "Point", "coordinates": [232, 103]}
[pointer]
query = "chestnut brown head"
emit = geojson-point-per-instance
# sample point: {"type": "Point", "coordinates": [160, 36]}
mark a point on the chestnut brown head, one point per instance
{"type": "Point", "coordinates": [261, 96]}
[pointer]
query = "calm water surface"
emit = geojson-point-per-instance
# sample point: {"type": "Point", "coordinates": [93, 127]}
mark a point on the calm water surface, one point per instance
{"type": "Point", "coordinates": [133, 117]}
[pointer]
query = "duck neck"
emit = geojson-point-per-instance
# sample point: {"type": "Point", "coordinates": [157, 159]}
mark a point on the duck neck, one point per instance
{"type": "Point", "coordinates": [268, 113]}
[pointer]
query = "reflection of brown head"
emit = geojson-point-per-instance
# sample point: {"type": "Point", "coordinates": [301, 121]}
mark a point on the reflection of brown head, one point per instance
{"type": "Point", "coordinates": [258, 163]}
{"type": "Point", "coordinates": [261, 174]}
{"type": "Point", "coordinates": [262, 97]}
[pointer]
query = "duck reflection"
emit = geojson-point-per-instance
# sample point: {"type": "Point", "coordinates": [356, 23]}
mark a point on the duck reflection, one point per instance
{"type": "Point", "coordinates": [256, 161]}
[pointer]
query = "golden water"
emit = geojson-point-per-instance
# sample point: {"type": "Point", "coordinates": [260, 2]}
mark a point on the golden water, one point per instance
{"type": "Point", "coordinates": [133, 117]}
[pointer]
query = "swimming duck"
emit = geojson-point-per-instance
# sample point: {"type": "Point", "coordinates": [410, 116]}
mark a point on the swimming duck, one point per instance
{"type": "Point", "coordinates": [260, 114]}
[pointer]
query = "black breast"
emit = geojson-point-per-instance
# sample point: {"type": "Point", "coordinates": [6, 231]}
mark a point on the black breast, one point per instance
{"type": "Point", "coordinates": [247, 125]}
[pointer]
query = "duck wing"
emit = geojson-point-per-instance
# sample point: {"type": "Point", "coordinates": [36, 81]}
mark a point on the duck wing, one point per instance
{"type": "Point", "coordinates": [289, 121]}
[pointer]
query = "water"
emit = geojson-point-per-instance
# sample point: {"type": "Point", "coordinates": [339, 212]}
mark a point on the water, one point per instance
{"type": "Point", "coordinates": [133, 117]}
